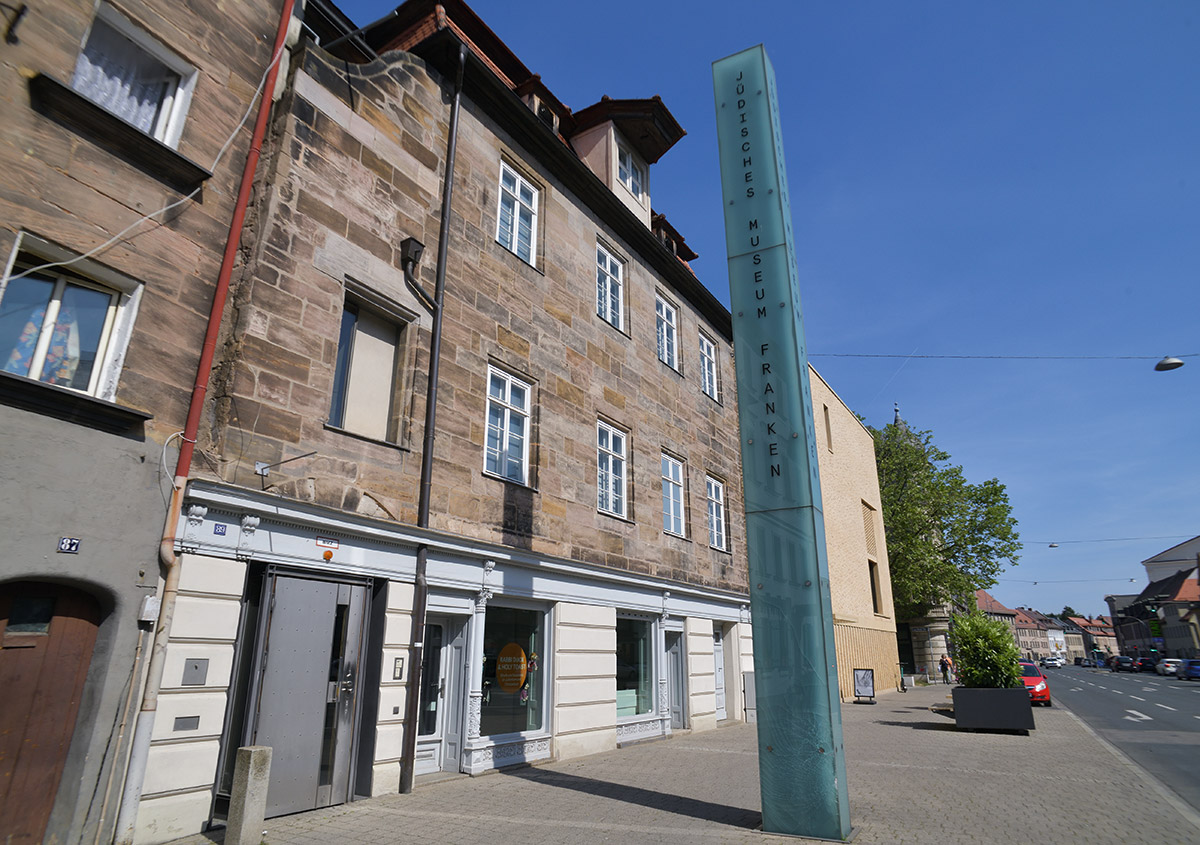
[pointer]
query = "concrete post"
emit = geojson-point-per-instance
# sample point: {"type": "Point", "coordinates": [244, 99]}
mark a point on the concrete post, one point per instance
{"type": "Point", "coordinates": [248, 800]}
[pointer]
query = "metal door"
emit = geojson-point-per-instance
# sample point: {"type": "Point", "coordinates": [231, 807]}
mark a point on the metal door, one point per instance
{"type": "Point", "coordinates": [439, 725]}
{"type": "Point", "coordinates": [719, 670]}
{"type": "Point", "coordinates": [305, 698]}
{"type": "Point", "coordinates": [676, 691]}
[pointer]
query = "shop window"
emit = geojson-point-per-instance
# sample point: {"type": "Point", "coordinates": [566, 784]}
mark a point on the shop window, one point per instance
{"type": "Point", "coordinates": [514, 688]}
{"type": "Point", "coordinates": [635, 667]}
{"type": "Point", "coordinates": [128, 73]}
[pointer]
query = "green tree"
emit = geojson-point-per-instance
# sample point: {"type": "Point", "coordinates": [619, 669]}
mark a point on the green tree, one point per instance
{"type": "Point", "coordinates": [946, 537]}
{"type": "Point", "coordinates": [1067, 612]}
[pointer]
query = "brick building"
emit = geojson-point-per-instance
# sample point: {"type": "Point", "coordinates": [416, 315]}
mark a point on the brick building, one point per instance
{"type": "Point", "coordinates": [584, 549]}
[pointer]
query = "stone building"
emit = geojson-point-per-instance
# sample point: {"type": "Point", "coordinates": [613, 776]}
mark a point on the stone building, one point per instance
{"type": "Point", "coordinates": [584, 546]}
{"type": "Point", "coordinates": [121, 148]}
{"type": "Point", "coordinates": [1031, 633]}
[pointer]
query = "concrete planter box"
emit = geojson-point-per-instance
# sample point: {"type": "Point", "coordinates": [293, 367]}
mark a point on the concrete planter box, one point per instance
{"type": "Point", "coordinates": [993, 709]}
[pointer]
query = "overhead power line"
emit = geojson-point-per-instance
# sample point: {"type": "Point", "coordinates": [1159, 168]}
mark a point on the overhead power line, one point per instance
{"type": "Point", "coordinates": [1113, 539]}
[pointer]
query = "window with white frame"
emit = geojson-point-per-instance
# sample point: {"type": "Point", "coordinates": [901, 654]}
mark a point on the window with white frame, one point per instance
{"type": "Point", "coordinates": [635, 667]}
{"type": "Point", "coordinates": [60, 327]}
{"type": "Point", "coordinates": [127, 72]}
{"type": "Point", "coordinates": [668, 332]}
{"type": "Point", "coordinates": [708, 367]}
{"type": "Point", "coordinates": [611, 445]}
{"type": "Point", "coordinates": [630, 172]}
{"type": "Point", "coordinates": [516, 223]}
{"type": "Point", "coordinates": [672, 495]}
{"type": "Point", "coordinates": [610, 274]}
{"type": "Point", "coordinates": [507, 446]}
{"type": "Point", "coordinates": [366, 374]}
{"type": "Point", "coordinates": [714, 492]}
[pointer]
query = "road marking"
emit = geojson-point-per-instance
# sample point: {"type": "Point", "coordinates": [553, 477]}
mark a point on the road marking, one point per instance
{"type": "Point", "coordinates": [1138, 717]}
{"type": "Point", "coordinates": [1149, 689]}
{"type": "Point", "coordinates": [1165, 707]}
{"type": "Point", "coordinates": [1118, 692]}
{"type": "Point", "coordinates": [1080, 689]}
{"type": "Point", "coordinates": [1136, 697]}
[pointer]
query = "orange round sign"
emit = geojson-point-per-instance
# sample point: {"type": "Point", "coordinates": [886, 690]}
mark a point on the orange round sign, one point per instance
{"type": "Point", "coordinates": [511, 668]}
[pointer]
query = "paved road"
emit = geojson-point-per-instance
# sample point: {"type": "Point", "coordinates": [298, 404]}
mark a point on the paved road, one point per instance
{"type": "Point", "coordinates": [1154, 719]}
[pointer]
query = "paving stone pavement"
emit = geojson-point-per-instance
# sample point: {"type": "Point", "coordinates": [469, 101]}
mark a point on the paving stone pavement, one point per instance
{"type": "Point", "coordinates": [913, 780]}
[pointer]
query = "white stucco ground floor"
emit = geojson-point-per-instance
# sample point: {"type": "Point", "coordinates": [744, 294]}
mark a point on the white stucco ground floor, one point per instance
{"type": "Point", "coordinates": [292, 629]}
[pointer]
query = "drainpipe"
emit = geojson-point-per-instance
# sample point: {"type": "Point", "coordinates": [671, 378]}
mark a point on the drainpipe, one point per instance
{"type": "Point", "coordinates": [421, 584]}
{"type": "Point", "coordinates": [135, 776]}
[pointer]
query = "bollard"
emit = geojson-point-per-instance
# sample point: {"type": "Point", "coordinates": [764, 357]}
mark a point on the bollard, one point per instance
{"type": "Point", "coordinates": [248, 801]}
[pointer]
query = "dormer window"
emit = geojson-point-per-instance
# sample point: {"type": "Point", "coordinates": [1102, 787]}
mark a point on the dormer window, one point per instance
{"type": "Point", "coordinates": [630, 173]}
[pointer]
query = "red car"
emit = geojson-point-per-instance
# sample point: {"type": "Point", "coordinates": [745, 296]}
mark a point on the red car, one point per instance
{"type": "Point", "coordinates": [1035, 682]}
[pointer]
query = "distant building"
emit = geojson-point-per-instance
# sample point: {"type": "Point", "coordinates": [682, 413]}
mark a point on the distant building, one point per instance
{"type": "Point", "coordinates": [1161, 620]}
{"type": "Point", "coordinates": [1031, 635]}
{"type": "Point", "coordinates": [1098, 636]}
{"type": "Point", "coordinates": [1169, 561]}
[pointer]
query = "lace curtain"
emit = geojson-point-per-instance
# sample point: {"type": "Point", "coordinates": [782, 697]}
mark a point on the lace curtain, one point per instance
{"type": "Point", "coordinates": [123, 78]}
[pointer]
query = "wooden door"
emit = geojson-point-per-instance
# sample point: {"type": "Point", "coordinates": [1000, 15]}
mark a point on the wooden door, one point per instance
{"type": "Point", "coordinates": [47, 632]}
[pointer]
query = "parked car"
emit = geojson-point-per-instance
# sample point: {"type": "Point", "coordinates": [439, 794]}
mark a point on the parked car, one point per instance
{"type": "Point", "coordinates": [1168, 666]}
{"type": "Point", "coordinates": [1190, 670]}
{"type": "Point", "coordinates": [1145, 664]}
{"type": "Point", "coordinates": [1035, 682]}
{"type": "Point", "coordinates": [1121, 663]}
{"type": "Point", "coordinates": [1086, 661]}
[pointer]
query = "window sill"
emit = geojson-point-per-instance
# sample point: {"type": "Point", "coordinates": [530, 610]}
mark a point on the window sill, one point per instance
{"type": "Point", "coordinates": [71, 109]}
{"type": "Point", "coordinates": [675, 536]}
{"type": "Point", "coordinates": [511, 481]}
{"type": "Point", "coordinates": [618, 517]}
{"type": "Point", "coordinates": [68, 405]}
{"type": "Point", "coordinates": [532, 266]}
{"type": "Point", "coordinates": [366, 438]}
{"type": "Point", "coordinates": [676, 370]}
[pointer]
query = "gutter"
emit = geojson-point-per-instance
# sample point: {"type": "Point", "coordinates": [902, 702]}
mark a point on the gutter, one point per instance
{"type": "Point", "coordinates": [135, 776]}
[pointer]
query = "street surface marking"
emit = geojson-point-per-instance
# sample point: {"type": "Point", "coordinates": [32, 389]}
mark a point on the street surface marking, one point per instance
{"type": "Point", "coordinates": [1137, 698]}
{"type": "Point", "coordinates": [1165, 707]}
{"type": "Point", "coordinates": [1118, 692]}
{"type": "Point", "coordinates": [1138, 717]}
{"type": "Point", "coordinates": [1080, 689]}
{"type": "Point", "coordinates": [1149, 689]}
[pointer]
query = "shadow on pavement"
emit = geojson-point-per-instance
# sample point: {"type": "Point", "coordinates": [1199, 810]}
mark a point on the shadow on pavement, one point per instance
{"type": "Point", "coordinates": [919, 726]}
{"type": "Point", "coordinates": [690, 807]}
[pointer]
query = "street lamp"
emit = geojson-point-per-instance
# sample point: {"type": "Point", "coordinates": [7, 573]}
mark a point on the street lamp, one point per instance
{"type": "Point", "coordinates": [1168, 363]}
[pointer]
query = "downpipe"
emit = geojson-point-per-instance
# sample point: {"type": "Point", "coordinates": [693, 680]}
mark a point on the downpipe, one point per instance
{"type": "Point", "coordinates": [135, 775]}
{"type": "Point", "coordinates": [420, 581]}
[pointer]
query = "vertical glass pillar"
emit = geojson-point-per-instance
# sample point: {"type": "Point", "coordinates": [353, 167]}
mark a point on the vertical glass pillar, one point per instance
{"type": "Point", "coordinates": [802, 767]}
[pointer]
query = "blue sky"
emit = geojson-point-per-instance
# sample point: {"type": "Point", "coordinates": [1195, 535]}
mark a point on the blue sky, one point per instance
{"type": "Point", "coordinates": [1018, 178]}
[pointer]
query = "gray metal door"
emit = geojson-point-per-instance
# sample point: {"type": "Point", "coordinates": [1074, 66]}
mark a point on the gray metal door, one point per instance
{"type": "Point", "coordinates": [676, 691]}
{"type": "Point", "coordinates": [305, 697]}
{"type": "Point", "coordinates": [439, 728]}
{"type": "Point", "coordinates": [719, 670]}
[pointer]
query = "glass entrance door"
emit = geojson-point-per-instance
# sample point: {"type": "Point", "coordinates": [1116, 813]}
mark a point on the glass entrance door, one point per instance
{"type": "Point", "coordinates": [439, 720]}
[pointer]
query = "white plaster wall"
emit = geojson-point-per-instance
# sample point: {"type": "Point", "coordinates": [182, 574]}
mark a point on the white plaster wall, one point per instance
{"type": "Point", "coordinates": [389, 727]}
{"type": "Point", "coordinates": [205, 626]}
{"type": "Point", "coordinates": [585, 679]}
{"type": "Point", "coordinates": [702, 700]}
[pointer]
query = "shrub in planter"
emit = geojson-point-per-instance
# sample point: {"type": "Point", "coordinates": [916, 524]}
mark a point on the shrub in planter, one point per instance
{"type": "Point", "coordinates": [992, 695]}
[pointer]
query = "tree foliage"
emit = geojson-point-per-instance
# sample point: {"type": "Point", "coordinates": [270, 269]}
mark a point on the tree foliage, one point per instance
{"type": "Point", "coordinates": [946, 537]}
{"type": "Point", "coordinates": [985, 652]}
{"type": "Point", "coordinates": [1068, 612]}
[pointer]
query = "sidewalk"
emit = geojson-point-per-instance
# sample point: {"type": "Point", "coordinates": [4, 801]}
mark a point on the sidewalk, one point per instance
{"type": "Point", "coordinates": [913, 779]}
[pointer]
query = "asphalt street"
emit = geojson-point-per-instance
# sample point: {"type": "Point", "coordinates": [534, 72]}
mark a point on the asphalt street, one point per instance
{"type": "Point", "coordinates": [1154, 719]}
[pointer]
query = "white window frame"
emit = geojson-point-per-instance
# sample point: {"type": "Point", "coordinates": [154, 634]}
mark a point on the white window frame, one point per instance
{"type": "Point", "coordinates": [610, 287]}
{"type": "Point", "coordinates": [168, 126]}
{"type": "Point", "coordinates": [127, 296]}
{"type": "Point", "coordinates": [612, 470]}
{"type": "Point", "coordinates": [508, 409]}
{"type": "Point", "coordinates": [667, 331]}
{"type": "Point", "coordinates": [512, 200]}
{"type": "Point", "coordinates": [630, 172]}
{"type": "Point", "coordinates": [710, 381]}
{"type": "Point", "coordinates": [674, 509]}
{"type": "Point", "coordinates": [714, 492]}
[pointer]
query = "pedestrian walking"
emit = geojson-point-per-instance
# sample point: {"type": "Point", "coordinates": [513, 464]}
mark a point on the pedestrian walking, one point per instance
{"type": "Point", "coordinates": [944, 665]}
